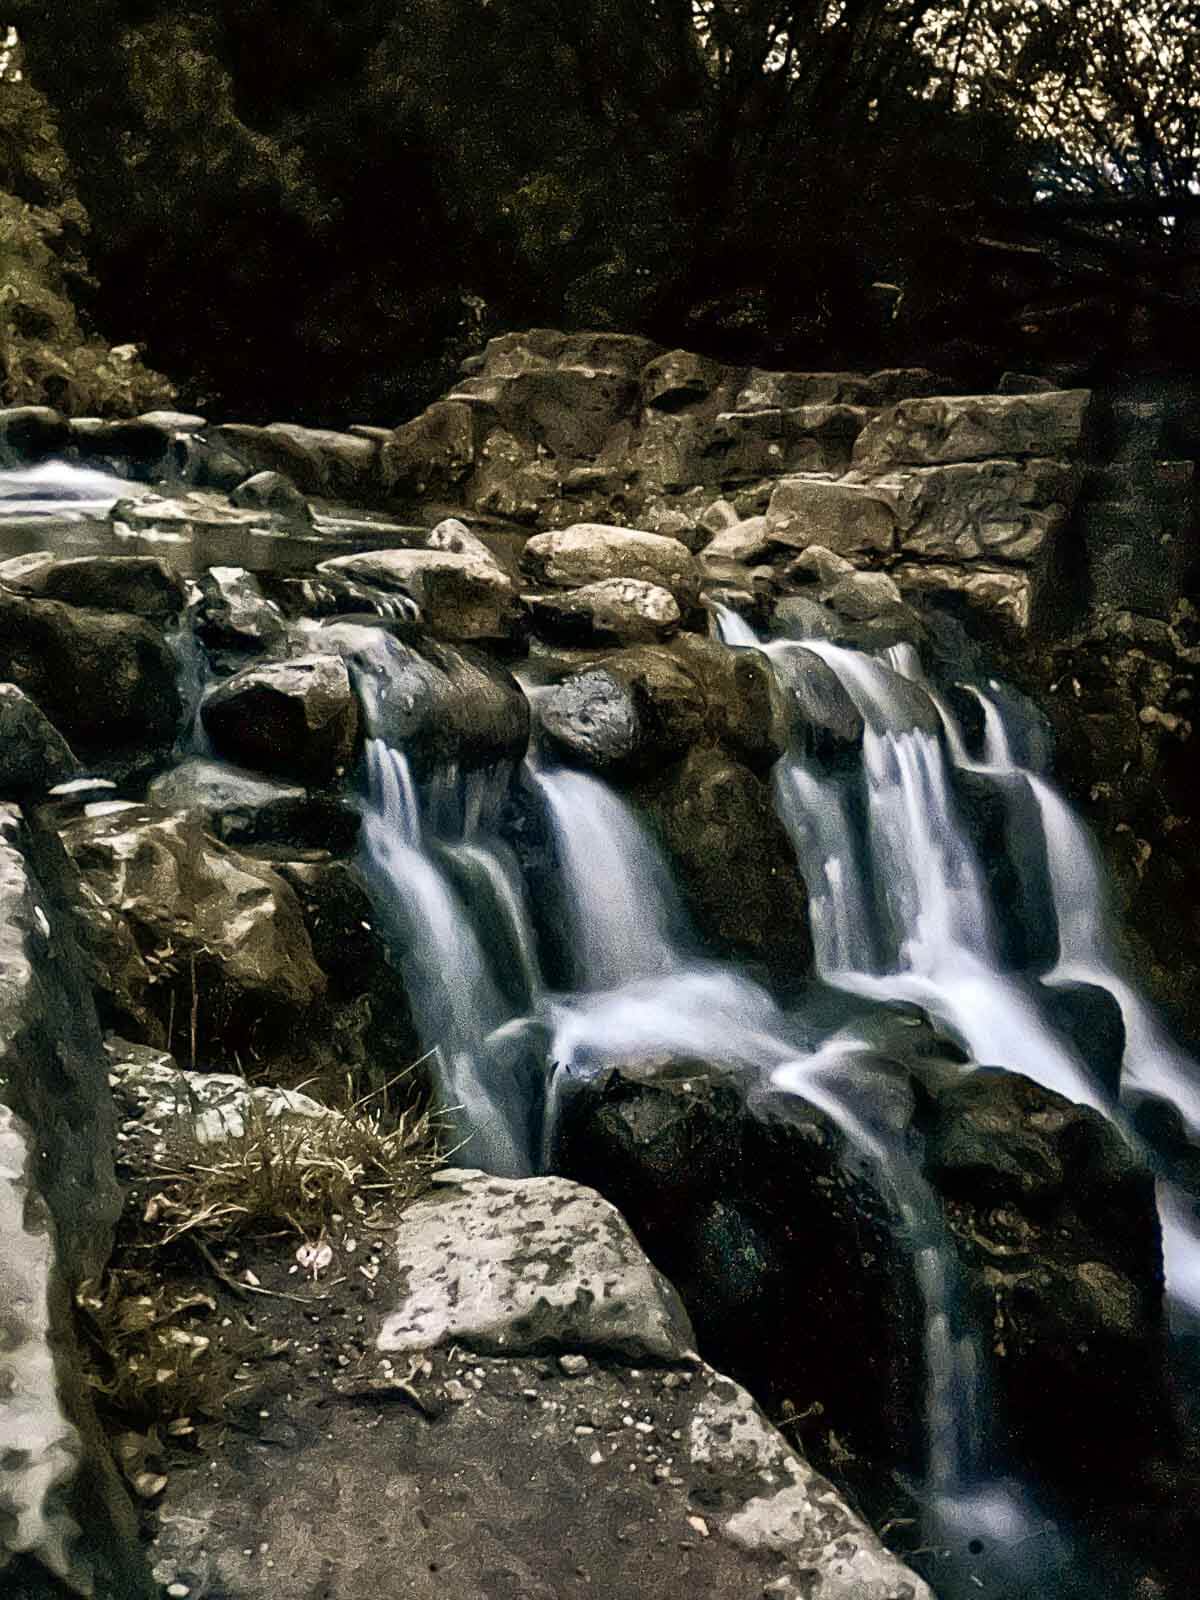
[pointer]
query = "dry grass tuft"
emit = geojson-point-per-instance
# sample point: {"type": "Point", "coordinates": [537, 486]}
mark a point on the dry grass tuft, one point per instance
{"type": "Point", "coordinates": [299, 1173]}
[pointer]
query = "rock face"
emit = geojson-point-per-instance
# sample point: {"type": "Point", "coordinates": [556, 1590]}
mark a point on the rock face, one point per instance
{"type": "Point", "coordinates": [106, 680]}
{"type": "Point", "coordinates": [735, 863]}
{"type": "Point", "coordinates": [927, 432]}
{"type": "Point", "coordinates": [639, 706]}
{"type": "Point", "coordinates": [170, 920]}
{"type": "Point", "coordinates": [66, 1515]}
{"type": "Point", "coordinates": [293, 719]}
{"type": "Point", "coordinates": [1054, 1220]}
{"type": "Point", "coordinates": [590, 553]}
{"type": "Point", "coordinates": [745, 1212]}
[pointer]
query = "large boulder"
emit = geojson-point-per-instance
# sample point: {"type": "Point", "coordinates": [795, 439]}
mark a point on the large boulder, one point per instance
{"type": "Point", "coordinates": [461, 596]}
{"type": "Point", "coordinates": [773, 1240]}
{"type": "Point", "coordinates": [636, 708]}
{"type": "Point", "coordinates": [67, 1527]}
{"type": "Point", "coordinates": [592, 552]}
{"type": "Point", "coordinates": [734, 862]}
{"type": "Point", "coordinates": [1054, 1219]}
{"type": "Point", "coordinates": [437, 703]}
{"type": "Point", "coordinates": [615, 611]}
{"type": "Point", "coordinates": [106, 680]}
{"type": "Point", "coordinates": [848, 518]}
{"type": "Point", "coordinates": [820, 716]}
{"type": "Point", "coordinates": [34, 756]}
{"type": "Point", "coordinates": [974, 427]}
{"type": "Point", "coordinates": [293, 719]}
{"type": "Point", "coordinates": [187, 941]}
{"type": "Point", "coordinates": [144, 586]}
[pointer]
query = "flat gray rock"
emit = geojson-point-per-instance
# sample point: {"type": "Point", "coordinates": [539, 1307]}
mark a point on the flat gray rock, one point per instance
{"type": "Point", "coordinates": [513, 1266]}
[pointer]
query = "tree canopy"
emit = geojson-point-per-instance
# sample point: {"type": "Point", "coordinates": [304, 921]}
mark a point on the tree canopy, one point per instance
{"type": "Point", "coordinates": [303, 206]}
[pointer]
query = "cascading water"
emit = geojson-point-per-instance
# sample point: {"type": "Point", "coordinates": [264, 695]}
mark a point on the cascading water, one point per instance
{"type": "Point", "coordinates": [902, 910]}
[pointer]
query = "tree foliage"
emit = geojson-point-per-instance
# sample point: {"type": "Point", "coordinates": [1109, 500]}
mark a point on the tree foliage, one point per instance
{"type": "Point", "coordinates": [313, 207]}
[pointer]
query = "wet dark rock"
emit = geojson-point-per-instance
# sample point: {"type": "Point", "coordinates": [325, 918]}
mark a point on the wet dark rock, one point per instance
{"type": "Point", "coordinates": [744, 708]}
{"type": "Point", "coordinates": [234, 614]}
{"type": "Point", "coordinates": [140, 448]}
{"type": "Point", "coordinates": [445, 704]}
{"type": "Point", "coordinates": [820, 716]}
{"type": "Point", "coordinates": [292, 719]}
{"type": "Point", "coordinates": [144, 586]}
{"type": "Point", "coordinates": [635, 707]}
{"type": "Point", "coordinates": [1054, 1219]}
{"type": "Point", "coordinates": [34, 756]}
{"type": "Point", "coordinates": [774, 1248]}
{"type": "Point", "coordinates": [735, 864]}
{"type": "Point", "coordinates": [30, 434]}
{"type": "Point", "coordinates": [245, 809]}
{"type": "Point", "coordinates": [106, 680]}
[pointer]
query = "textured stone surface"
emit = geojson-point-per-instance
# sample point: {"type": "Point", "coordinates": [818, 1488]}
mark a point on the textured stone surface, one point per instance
{"type": "Point", "coordinates": [319, 461]}
{"type": "Point", "coordinates": [169, 917]}
{"type": "Point", "coordinates": [64, 1512]}
{"type": "Point", "coordinates": [233, 613]}
{"type": "Point", "coordinates": [461, 596]}
{"type": "Point", "coordinates": [973, 427]}
{"type": "Point", "coordinates": [615, 611]}
{"type": "Point", "coordinates": [535, 1264]}
{"type": "Point", "coordinates": [590, 552]}
{"type": "Point", "coordinates": [34, 756]}
{"type": "Point", "coordinates": [1000, 510]}
{"type": "Point", "coordinates": [847, 518]}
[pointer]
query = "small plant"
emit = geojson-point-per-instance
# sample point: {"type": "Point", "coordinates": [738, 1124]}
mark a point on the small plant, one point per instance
{"type": "Point", "coordinates": [143, 1364]}
{"type": "Point", "coordinates": [298, 1172]}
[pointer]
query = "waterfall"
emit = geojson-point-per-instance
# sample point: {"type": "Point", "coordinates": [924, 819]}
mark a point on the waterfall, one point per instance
{"type": "Point", "coordinates": [622, 911]}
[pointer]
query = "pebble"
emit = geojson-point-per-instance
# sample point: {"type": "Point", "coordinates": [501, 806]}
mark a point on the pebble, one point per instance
{"type": "Point", "coordinates": [457, 1393]}
{"type": "Point", "coordinates": [573, 1365]}
{"type": "Point", "coordinates": [596, 1459]}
